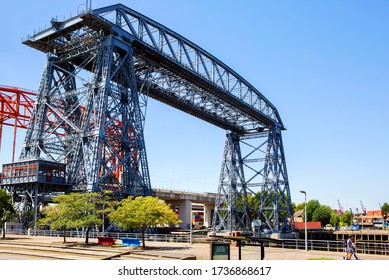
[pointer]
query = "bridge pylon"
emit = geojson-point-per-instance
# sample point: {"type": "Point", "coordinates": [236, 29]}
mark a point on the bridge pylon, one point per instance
{"type": "Point", "coordinates": [253, 185]}
{"type": "Point", "coordinates": [231, 207]}
{"type": "Point", "coordinates": [88, 115]}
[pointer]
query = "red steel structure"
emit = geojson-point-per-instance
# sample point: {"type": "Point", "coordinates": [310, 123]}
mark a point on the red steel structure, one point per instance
{"type": "Point", "coordinates": [16, 106]}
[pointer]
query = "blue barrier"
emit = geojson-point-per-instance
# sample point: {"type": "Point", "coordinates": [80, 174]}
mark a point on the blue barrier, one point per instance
{"type": "Point", "coordinates": [131, 242]}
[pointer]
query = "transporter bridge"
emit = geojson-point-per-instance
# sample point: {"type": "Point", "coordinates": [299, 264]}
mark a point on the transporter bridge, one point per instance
{"type": "Point", "coordinates": [102, 66]}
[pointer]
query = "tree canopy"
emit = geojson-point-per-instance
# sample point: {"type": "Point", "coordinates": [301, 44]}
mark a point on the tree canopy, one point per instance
{"type": "Point", "coordinates": [77, 210]}
{"type": "Point", "coordinates": [346, 219]}
{"type": "Point", "coordinates": [298, 206]}
{"type": "Point", "coordinates": [142, 213]}
{"type": "Point", "coordinates": [311, 207]}
{"type": "Point", "coordinates": [385, 208]}
{"type": "Point", "coordinates": [6, 208]}
{"type": "Point", "coordinates": [335, 219]}
{"type": "Point", "coordinates": [322, 214]}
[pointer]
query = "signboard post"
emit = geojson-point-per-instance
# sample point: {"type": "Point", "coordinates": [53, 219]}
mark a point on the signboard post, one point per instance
{"type": "Point", "coordinates": [220, 251]}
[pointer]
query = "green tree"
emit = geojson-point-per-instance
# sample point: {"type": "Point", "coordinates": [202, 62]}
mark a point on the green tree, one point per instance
{"type": "Point", "coordinates": [142, 213]}
{"type": "Point", "coordinates": [385, 208]}
{"type": "Point", "coordinates": [51, 217]}
{"type": "Point", "coordinates": [61, 215]}
{"type": "Point", "coordinates": [322, 214]}
{"type": "Point", "coordinates": [311, 207]}
{"type": "Point", "coordinates": [265, 199]}
{"type": "Point", "coordinates": [253, 202]}
{"type": "Point", "coordinates": [346, 219]}
{"type": "Point", "coordinates": [87, 213]}
{"type": "Point", "coordinates": [76, 210]}
{"type": "Point", "coordinates": [6, 208]}
{"type": "Point", "coordinates": [105, 203]}
{"type": "Point", "coordinates": [298, 206]}
{"type": "Point", "coordinates": [335, 219]}
{"type": "Point", "coordinates": [97, 206]}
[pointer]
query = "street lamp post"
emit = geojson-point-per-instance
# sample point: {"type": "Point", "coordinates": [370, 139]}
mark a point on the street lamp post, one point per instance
{"type": "Point", "coordinates": [305, 220]}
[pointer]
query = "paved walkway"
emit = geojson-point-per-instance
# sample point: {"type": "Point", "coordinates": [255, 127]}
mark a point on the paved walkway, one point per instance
{"type": "Point", "coordinates": [201, 251]}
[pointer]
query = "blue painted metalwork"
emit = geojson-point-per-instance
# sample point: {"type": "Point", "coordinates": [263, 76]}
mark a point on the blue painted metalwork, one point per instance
{"type": "Point", "coordinates": [102, 66]}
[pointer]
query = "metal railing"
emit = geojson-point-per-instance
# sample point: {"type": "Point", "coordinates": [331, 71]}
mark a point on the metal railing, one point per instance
{"type": "Point", "coordinates": [183, 238]}
{"type": "Point", "coordinates": [375, 248]}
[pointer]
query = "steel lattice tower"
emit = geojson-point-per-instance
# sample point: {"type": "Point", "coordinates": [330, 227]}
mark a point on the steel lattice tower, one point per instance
{"type": "Point", "coordinates": [96, 129]}
{"type": "Point", "coordinates": [253, 167]}
{"type": "Point", "coordinates": [232, 210]}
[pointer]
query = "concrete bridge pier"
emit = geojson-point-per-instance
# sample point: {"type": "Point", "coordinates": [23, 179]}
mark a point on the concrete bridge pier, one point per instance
{"type": "Point", "coordinates": [184, 208]}
{"type": "Point", "coordinates": [209, 208]}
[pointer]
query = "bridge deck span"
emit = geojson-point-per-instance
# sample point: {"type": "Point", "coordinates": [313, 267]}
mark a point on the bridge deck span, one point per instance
{"type": "Point", "coordinates": [184, 75]}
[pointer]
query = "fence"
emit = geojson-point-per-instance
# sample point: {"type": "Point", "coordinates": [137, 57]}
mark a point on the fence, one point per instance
{"type": "Point", "coordinates": [376, 248]}
{"type": "Point", "coordinates": [183, 238]}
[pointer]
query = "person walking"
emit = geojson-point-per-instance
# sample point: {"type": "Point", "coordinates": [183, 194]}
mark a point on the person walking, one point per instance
{"type": "Point", "coordinates": [351, 248]}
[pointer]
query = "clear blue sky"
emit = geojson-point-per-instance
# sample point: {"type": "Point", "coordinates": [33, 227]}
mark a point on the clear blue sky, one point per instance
{"type": "Point", "coordinates": [323, 64]}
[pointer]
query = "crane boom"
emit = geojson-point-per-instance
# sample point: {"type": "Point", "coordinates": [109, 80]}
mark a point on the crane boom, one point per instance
{"type": "Point", "coordinates": [340, 208]}
{"type": "Point", "coordinates": [363, 209]}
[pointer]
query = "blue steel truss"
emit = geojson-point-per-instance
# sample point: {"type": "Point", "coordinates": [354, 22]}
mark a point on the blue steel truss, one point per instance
{"type": "Point", "coordinates": [103, 65]}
